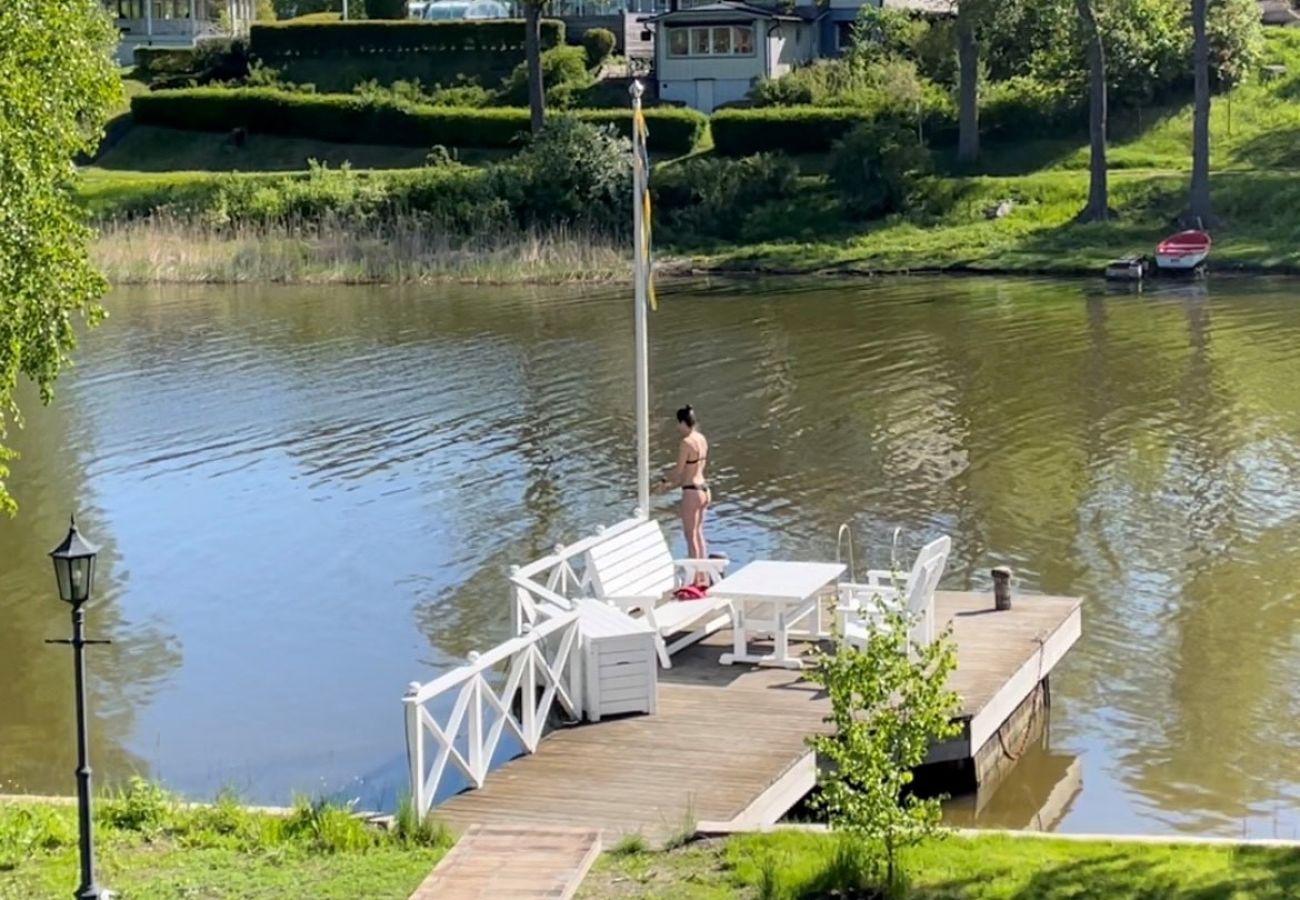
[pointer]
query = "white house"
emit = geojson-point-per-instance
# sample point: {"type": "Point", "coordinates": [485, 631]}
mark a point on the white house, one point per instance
{"type": "Point", "coordinates": [175, 23]}
{"type": "Point", "coordinates": [713, 54]}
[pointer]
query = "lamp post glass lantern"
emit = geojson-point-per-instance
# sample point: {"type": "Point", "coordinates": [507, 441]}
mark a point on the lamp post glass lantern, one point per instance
{"type": "Point", "coordinates": [74, 570]}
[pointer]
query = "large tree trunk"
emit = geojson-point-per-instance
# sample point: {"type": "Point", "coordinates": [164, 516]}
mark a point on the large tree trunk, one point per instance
{"type": "Point", "coordinates": [1097, 208]}
{"type": "Point", "coordinates": [968, 124]}
{"type": "Point", "coordinates": [533, 53]}
{"type": "Point", "coordinates": [1198, 207]}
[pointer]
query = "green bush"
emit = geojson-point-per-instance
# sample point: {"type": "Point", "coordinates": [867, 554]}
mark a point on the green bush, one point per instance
{"type": "Point", "coordinates": [712, 199]}
{"type": "Point", "coordinates": [795, 129]}
{"type": "Point", "coordinates": [564, 71]}
{"type": "Point", "coordinates": [1236, 40]}
{"type": "Point", "coordinates": [371, 120]}
{"type": "Point", "coordinates": [874, 167]}
{"type": "Point", "coordinates": [1025, 107]}
{"type": "Point", "coordinates": [574, 172]}
{"type": "Point", "coordinates": [385, 9]}
{"type": "Point", "coordinates": [151, 61]}
{"type": "Point", "coordinates": [599, 44]}
{"type": "Point", "coordinates": [297, 38]}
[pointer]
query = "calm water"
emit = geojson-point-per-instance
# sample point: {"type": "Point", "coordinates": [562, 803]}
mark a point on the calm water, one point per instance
{"type": "Point", "coordinates": [307, 498]}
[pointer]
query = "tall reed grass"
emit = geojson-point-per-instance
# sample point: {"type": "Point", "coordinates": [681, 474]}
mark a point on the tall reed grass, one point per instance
{"type": "Point", "coordinates": [167, 249]}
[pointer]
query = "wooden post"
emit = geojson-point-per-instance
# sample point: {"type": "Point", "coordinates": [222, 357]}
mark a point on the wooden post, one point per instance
{"type": "Point", "coordinates": [415, 750]}
{"type": "Point", "coordinates": [1002, 587]}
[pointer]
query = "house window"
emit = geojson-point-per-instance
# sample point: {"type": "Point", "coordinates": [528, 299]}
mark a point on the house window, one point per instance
{"type": "Point", "coordinates": [715, 40]}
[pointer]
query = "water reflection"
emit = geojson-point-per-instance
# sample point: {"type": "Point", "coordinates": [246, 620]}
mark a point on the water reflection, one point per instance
{"type": "Point", "coordinates": [317, 492]}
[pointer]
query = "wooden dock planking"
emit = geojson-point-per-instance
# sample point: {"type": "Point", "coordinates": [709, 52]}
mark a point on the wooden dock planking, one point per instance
{"type": "Point", "coordinates": [513, 863]}
{"type": "Point", "coordinates": [729, 743]}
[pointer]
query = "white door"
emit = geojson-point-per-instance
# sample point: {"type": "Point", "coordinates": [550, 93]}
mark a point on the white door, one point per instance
{"type": "Point", "coordinates": [704, 95]}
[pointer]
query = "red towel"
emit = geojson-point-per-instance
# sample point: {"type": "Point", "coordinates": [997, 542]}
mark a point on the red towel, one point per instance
{"type": "Point", "coordinates": [691, 592]}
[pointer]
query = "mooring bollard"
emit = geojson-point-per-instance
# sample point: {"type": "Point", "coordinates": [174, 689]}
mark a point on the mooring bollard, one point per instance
{"type": "Point", "coordinates": [1002, 587]}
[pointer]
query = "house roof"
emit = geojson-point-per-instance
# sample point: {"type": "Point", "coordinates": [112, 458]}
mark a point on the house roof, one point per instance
{"type": "Point", "coordinates": [730, 11]}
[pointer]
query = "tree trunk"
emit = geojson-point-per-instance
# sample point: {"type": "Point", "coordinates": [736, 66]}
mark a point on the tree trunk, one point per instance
{"type": "Point", "coordinates": [1198, 207]}
{"type": "Point", "coordinates": [968, 125]}
{"type": "Point", "coordinates": [533, 53]}
{"type": "Point", "coordinates": [1097, 208]}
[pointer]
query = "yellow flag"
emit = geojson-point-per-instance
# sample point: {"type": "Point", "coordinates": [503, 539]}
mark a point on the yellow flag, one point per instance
{"type": "Point", "coordinates": [640, 142]}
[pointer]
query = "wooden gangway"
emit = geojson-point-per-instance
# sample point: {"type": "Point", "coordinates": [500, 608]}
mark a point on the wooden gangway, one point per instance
{"type": "Point", "coordinates": [727, 747]}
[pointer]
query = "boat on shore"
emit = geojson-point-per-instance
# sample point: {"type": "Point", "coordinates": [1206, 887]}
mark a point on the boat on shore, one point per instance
{"type": "Point", "coordinates": [1185, 251]}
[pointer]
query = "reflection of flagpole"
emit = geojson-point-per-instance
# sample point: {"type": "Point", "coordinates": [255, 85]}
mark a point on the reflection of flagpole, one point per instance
{"type": "Point", "coordinates": [640, 275]}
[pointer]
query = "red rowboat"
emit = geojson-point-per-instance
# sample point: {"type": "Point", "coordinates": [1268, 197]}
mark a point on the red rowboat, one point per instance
{"type": "Point", "coordinates": [1184, 250]}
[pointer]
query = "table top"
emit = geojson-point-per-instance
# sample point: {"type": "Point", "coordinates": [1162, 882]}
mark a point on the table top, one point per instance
{"type": "Point", "coordinates": [777, 580]}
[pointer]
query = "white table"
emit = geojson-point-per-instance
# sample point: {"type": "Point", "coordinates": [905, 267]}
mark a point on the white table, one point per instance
{"type": "Point", "coordinates": [772, 597]}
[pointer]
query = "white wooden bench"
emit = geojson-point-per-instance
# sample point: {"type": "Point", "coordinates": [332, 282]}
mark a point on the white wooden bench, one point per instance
{"type": "Point", "coordinates": [635, 571]}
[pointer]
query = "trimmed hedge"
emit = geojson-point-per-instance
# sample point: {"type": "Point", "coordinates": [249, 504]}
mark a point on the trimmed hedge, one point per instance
{"type": "Point", "coordinates": [791, 129]}
{"type": "Point", "coordinates": [349, 118]}
{"type": "Point", "coordinates": [273, 41]}
{"type": "Point", "coordinates": [164, 60]}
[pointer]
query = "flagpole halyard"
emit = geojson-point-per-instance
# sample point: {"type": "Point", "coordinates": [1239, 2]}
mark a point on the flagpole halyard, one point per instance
{"type": "Point", "coordinates": [641, 278]}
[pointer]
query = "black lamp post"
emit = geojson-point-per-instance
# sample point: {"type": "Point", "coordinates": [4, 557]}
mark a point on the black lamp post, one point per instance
{"type": "Point", "coordinates": [74, 568]}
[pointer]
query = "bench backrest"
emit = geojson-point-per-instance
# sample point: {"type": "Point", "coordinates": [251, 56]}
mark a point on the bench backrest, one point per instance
{"type": "Point", "coordinates": [633, 563]}
{"type": "Point", "coordinates": [921, 585]}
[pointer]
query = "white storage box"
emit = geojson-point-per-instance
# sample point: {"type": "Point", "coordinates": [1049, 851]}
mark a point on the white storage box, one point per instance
{"type": "Point", "coordinates": [620, 666]}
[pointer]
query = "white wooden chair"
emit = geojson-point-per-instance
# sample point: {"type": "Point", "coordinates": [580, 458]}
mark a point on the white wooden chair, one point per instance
{"type": "Point", "coordinates": [863, 606]}
{"type": "Point", "coordinates": [635, 570]}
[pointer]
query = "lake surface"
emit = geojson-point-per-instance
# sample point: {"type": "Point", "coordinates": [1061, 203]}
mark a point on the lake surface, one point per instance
{"type": "Point", "coordinates": [308, 498]}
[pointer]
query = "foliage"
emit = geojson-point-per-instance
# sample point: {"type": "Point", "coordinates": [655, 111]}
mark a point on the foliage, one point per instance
{"type": "Point", "coordinates": [140, 805]}
{"type": "Point", "coordinates": [150, 61]}
{"type": "Point", "coordinates": [880, 34]}
{"type": "Point", "coordinates": [874, 166]}
{"type": "Point", "coordinates": [385, 9]}
{"type": "Point", "coordinates": [796, 129]}
{"type": "Point", "coordinates": [599, 44]}
{"type": "Point", "coordinates": [564, 71]}
{"type": "Point", "coordinates": [218, 850]}
{"type": "Point", "coordinates": [713, 199]}
{"type": "Point", "coordinates": [264, 11]}
{"type": "Point", "coordinates": [57, 86]}
{"type": "Point", "coordinates": [382, 120]}
{"type": "Point", "coordinates": [290, 9]}
{"type": "Point", "coordinates": [889, 704]}
{"type": "Point", "coordinates": [1236, 40]}
{"type": "Point", "coordinates": [798, 865]}
{"type": "Point", "coordinates": [296, 38]}
{"type": "Point", "coordinates": [572, 172]}
{"type": "Point", "coordinates": [1024, 107]}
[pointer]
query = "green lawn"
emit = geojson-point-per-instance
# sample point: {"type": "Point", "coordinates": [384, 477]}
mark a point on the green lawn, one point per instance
{"type": "Point", "coordinates": [800, 866]}
{"type": "Point", "coordinates": [149, 848]}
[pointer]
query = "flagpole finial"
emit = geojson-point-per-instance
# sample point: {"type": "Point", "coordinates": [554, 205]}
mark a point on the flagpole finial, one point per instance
{"type": "Point", "coordinates": [636, 89]}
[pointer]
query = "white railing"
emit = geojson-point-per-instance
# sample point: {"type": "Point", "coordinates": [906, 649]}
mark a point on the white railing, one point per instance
{"type": "Point", "coordinates": [543, 660]}
{"type": "Point", "coordinates": [541, 590]}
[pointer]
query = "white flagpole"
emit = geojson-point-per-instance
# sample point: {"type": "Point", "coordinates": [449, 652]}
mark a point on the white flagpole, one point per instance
{"type": "Point", "coordinates": [641, 330]}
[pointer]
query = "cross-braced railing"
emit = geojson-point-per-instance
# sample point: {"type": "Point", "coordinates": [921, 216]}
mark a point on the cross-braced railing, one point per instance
{"type": "Point", "coordinates": [541, 672]}
{"type": "Point", "coordinates": [543, 589]}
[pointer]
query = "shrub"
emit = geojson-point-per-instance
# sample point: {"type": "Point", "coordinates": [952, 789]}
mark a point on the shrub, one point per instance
{"type": "Point", "coordinates": [151, 61]}
{"type": "Point", "coordinates": [573, 172]}
{"type": "Point", "coordinates": [140, 806]}
{"type": "Point", "coordinates": [385, 9]}
{"type": "Point", "coordinates": [1025, 107]}
{"type": "Point", "coordinates": [599, 44]}
{"type": "Point", "coordinates": [873, 167]}
{"type": "Point", "coordinates": [564, 69]}
{"type": "Point", "coordinates": [705, 198]}
{"type": "Point", "coordinates": [1236, 40]}
{"type": "Point", "coordinates": [297, 38]}
{"type": "Point", "coordinates": [355, 119]}
{"type": "Point", "coordinates": [798, 129]}
{"type": "Point", "coordinates": [889, 704]}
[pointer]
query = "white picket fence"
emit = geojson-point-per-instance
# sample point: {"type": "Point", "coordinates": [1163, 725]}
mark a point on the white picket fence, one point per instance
{"type": "Point", "coordinates": [541, 669]}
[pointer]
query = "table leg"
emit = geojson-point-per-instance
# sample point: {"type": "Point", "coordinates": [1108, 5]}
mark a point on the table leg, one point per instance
{"type": "Point", "coordinates": [739, 640]}
{"type": "Point", "coordinates": [782, 638]}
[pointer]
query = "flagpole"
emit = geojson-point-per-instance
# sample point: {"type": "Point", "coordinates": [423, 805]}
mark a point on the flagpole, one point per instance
{"type": "Point", "coordinates": [642, 326]}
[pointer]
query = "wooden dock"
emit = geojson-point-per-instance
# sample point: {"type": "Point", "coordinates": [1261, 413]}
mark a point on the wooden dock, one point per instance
{"type": "Point", "coordinates": [513, 863]}
{"type": "Point", "coordinates": [727, 748]}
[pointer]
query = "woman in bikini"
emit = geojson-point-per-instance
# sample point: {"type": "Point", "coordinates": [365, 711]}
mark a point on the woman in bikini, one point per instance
{"type": "Point", "coordinates": [688, 475]}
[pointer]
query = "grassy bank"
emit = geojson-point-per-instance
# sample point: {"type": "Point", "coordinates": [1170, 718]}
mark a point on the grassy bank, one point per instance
{"type": "Point", "coordinates": [800, 866]}
{"type": "Point", "coordinates": [167, 250]}
{"type": "Point", "coordinates": [149, 848]}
